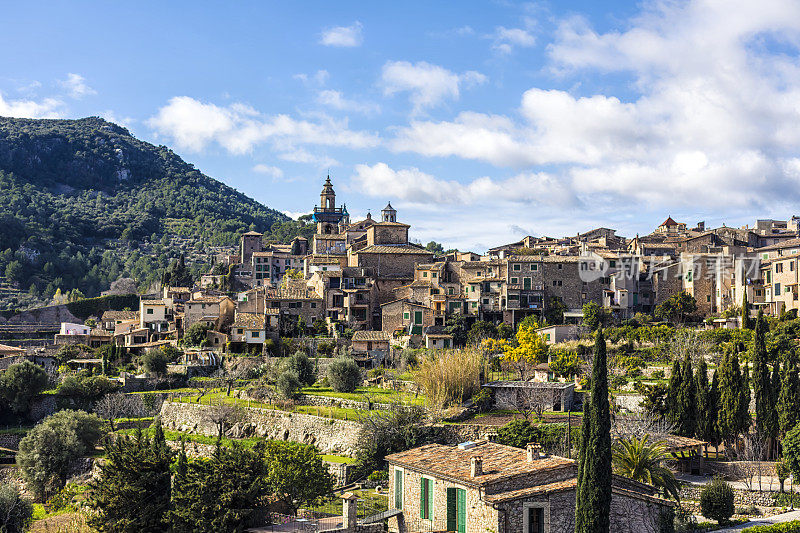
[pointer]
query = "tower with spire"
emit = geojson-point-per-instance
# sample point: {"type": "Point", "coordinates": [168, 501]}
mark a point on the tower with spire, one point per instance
{"type": "Point", "coordinates": [389, 214]}
{"type": "Point", "coordinates": [327, 216]}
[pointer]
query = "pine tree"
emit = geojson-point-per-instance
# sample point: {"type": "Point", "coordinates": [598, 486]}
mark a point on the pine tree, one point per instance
{"type": "Point", "coordinates": [687, 401]}
{"type": "Point", "coordinates": [593, 494]}
{"type": "Point", "coordinates": [132, 492]}
{"type": "Point", "coordinates": [789, 397]}
{"type": "Point", "coordinates": [218, 494]}
{"type": "Point", "coordinates": [673, 390]}
{"type": "Point", "coordinates": [761, 379]}
{"type": "Point", "coordinates": [747, 321]}
{"type": "Point", "coordinates": [706, 412]}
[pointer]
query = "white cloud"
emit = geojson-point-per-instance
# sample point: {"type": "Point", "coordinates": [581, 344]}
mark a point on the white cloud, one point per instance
{"type": "Point", "coordinates": [417, 187]}
{"type": "Point", "coordinates": [713, 123]}
{"type": "Point", "coordinates": [427, 84]}
{"type": "Point", "coordinates": [76, 86]}
{"type": "Point", "coordinates": [336, 100]}
{"type": "Point", "coordinates": [299, 155]}
{"type": "Point", "coordinates": [110, 116]}
{"type": "Point", "coordinates": [193, 125]}
{"type": "Point", "coordinates": [273, 172]}
{"type": "Point", "coordinates": [294, 215]}
{"type": "Point", "coordinates": [505, 39]}
{"type": "Point", "coordinates": [318, 79]}
{"type": "Point", "coordinates": [46, 108]}
{"type": "Point", "coordinates": [343, 36]}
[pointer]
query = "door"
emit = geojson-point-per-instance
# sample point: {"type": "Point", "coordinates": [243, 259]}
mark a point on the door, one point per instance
{"type": "Point", "coordinates": [526, 283]}
{"type": "Point", "coordinates": [417, 317]}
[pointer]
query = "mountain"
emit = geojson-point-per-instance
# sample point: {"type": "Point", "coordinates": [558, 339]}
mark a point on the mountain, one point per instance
{"type": "Point", "coordinates": [84, 203]}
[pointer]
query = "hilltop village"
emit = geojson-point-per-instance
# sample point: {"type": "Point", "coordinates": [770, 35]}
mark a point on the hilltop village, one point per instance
{"type": "Point", "coordinates": [366, 279]}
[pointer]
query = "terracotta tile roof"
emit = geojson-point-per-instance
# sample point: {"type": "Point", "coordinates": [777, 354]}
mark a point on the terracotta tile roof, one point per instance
{"type": "Point", "coordinates": [398, 224]}
{"type": "Point", "coordinates": [253, 234]}
{"type": "Point", "coordinates": [669, 222]}
{"type": "Point", "coordinates": [370, 336]}
{"type": "Point", "coordinates": [785, 244]}
{"type": "Point", "coordinates": [394, 249]}
{"type": "Point", "coordinates": [291, 293]}
{"type": "Point", "coordinates": [249, 321]}
{"type": "Point", "coordinates": [118, 315]}
{"type": "Point", "coordinates": [153, 302]}
{"type": "Point", "coordinates": [499, 462]}
{"type": "Point", "coordinates": [206, 299]}
{"type": "Point", "coordinates": [549, 488]}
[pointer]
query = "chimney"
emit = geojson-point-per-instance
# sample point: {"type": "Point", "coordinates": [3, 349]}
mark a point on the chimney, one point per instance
{"type": "Point", "coordinates": [533, 450]}
{"type": "Point", "coordinates": [476, 467]}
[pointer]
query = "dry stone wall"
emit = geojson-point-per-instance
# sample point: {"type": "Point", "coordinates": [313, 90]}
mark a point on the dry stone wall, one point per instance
{"type": "Point", "coordinates": [330, 436]}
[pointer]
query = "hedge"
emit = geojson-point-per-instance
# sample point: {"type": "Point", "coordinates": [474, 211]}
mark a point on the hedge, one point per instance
{"type": "Point", "coordinates": [786, 527]}
{"type": "Point", "coordinates": [87, 307]}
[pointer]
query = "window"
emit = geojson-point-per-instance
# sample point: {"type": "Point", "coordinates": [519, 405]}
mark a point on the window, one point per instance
{"type": "Point", "coordinates": [534, 519]}
{"type": "Point", "coordinates": [433, 275]}
{"type": "Point", "coordinates": [517, 267]}
{"type": "Point", "coordinates": [612, 263]}
{"type": "Point", "coordinates": [398, 488]}
{"type": "Point", "coordinates": [456, 510]}
{"type": "Point", "coordinates": [426, 499]}
{"type": "Point", "coordinates": [534, 267]}
{"type": "Point", "coordinates": [474, 305]}
{"type": "Point", "coordinates": [560, 266]}
{"type": "Point", "coordinates": [406, 316]}
{"type": "Point", "coordinates": [708, 298]}
{"type": "Point", "coordinates": [479, 273]}
{"type": "Point", "coordinates": [424, 274]}
{"type": "Point", "coordinates": [256, 334]}
{"type": "Point", "coordinates": [149, 311]}
{"type": "Point", "coordinates": [486, 301]}
{"type": "Point", "coordinates": [450, 290]}
{"type": "Point", "coordinates": [240, 331]}
{"type": "Point", "coordinates": [778, 268]}
{"type": "Point", "coordinates": [791, 266]}
{"type": "Point", "coordinates": [777, 289]}
{"type": "Point", "coordinates": [313, 305]}
{"type": "Point", "coordinates": [514, 280]}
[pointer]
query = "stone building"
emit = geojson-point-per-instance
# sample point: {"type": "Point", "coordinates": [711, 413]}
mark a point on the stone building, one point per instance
{"type": "Point", "coordinates": [483, 486]}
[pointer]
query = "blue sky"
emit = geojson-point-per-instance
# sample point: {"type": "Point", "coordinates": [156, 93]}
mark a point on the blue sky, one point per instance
{"type": "Point", "coordinates": [480, 121]}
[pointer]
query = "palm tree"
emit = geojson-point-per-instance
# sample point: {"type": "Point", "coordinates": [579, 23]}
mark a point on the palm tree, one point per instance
{"type": "Point", "coordinates": [641, 460]}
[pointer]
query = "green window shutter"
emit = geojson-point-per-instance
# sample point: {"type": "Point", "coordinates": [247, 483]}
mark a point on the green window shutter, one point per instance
{"type": "Point", "coordinates": [423, 509]}
{"type": "Point", "coordinates": [398, 489]}
{"type": "Point", "coordinates": [430, 498]}
{"type": "Point", "coordinates": [452, 515]}
{"type": "Point", "coordinates": [462, 511]}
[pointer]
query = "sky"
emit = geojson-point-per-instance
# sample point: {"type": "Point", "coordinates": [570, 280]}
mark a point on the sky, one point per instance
{"type": "Point", "coordinates": [481, 122]}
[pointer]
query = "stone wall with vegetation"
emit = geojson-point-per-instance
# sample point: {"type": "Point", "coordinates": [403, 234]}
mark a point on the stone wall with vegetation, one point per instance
{"type": "Point", "coordinates": [330, 436]}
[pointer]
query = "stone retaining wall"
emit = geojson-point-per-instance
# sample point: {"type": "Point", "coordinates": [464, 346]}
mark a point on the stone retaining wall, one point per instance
{"type": "Point", "coordinates": [10, 441]}
{"type": "Point", "coordinates": [740, 497]}
{"type": "Point", "coordinates": [347, 404]}
{"type": "Point", "coordinates": [339, 437]}
{"type": "Point", "coordinates": [733, 470]}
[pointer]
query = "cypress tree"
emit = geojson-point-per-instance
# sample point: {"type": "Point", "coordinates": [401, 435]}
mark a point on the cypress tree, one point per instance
{"type": "Point", "coordinates": [761, 379]}
{"type": "Point", "coordinates": [789, 397]}
{"type": "Point", "coordinates": [593, 494]}
{"type": "Point", "coordinates": [713, 407]}
{"type": "Point", "coordinates": [747, 321]}
{"type": "Point", "coordinates": [743, 416]}
{"type": "Point", "coordinates": [673, 390]}
{"type": "Point", "coordinates": [687, 401]}
{"type": "Point", "coordinates": [706, 415]}
{"type": "Point", "coordinates": [730, 396]}
{"type": "Point", "coordinates": [775, 392]}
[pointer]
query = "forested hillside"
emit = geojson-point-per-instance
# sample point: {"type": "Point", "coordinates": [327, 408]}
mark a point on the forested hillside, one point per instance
{"type": "Point", "coordinates": [84, 203]}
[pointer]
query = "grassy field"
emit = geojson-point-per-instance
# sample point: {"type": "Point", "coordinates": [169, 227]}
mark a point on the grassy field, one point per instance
{"type": "Point", "coordinates": [361, 394]}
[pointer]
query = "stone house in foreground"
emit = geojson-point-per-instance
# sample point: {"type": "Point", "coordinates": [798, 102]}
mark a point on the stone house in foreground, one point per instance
{"type": "Point", "coordinates": [482, 486]}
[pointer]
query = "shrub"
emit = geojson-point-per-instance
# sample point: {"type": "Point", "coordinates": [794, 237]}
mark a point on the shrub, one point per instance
{"type": "Point", "coordinates": [786, 527]}
{"type": "Point", "coordinates": [155, 362]}
{"type": "Point", "coordinates": [378, 475]}
{"type": "Point", "coordinates": [300, 364]}
{"type": "Point", "coordinates": [86, 387]}
{"type": "Point", "coordinates": [617, 382]}
{"type": "Point", "coordinates": [483, 400]}
{"type": "Point", "coordinates": [47, 452]}
{"type": "Point", "coordinates": [344, 375]}
{"type": "Point", "coordinates": [449, 376]}
{"type": "Point", "coordinates": [20, 383]}
{"type": "Point", "coordinates": [716, 501]}
{"type": "Point", "coordinates": [288, 383]}
{"type": "Point", "coordinates": [15, 511]}
{"type": "Point", "coordinates": [657, 374]}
